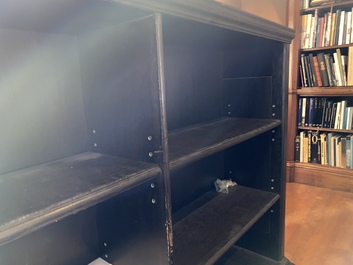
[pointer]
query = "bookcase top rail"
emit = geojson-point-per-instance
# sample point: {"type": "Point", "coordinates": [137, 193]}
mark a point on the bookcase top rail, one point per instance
{"type": "Point", "coordinates": [40, 195]}
{"type": "Point", "coordinates": [215, 13]}
{"type": "Point", "coordinates": [207, 233]}
{"type": "Point", "coordinates": [191, 144]}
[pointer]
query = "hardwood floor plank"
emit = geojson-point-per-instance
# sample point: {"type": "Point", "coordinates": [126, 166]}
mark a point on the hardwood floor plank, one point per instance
{"type": "Point", "coordinates": [319, 226]}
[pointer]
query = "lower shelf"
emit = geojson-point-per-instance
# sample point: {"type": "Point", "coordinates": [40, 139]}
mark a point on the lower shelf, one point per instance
{"type": "Point", "coordinates": [322, 176]}
{"type": "Point", "coordinates": [236, 255]}
{"type": "Point", "coordinates": [216, 221]}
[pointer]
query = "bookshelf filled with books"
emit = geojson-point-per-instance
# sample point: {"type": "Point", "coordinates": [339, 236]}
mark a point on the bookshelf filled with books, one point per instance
{"type": "Point", "coordinates": [321, 94]}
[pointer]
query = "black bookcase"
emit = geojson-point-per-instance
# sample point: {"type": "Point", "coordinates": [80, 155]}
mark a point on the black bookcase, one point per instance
{"type": "Point", "coordinates": [117, 118]}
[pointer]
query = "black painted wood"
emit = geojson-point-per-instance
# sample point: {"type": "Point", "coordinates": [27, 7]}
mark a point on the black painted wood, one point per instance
{"type": "Point", "coordinates": [217, 221]}
{"type": "Point", "coordinates": [70, 241]}
{"type": "Point", "coordinates": [132, 226]}
{"type": "Point", "coordinates": [37, 196]}
{"type": "Point", "coordinates": [191, 144]}
{"type": "Point", "coordinates": [120, 89]}
{"type": "Point", "coordinates": [236, 255]}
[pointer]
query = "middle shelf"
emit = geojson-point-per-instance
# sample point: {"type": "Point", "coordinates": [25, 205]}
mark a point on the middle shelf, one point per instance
{"type": "Point", "coordinates": [196, 142]}
{"type": "Point", "coordinates": [210, 225]}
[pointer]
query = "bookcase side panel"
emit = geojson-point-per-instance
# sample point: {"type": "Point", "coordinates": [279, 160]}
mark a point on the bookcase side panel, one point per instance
{"type": "Point", "coordinates": [132, 226]}
{"type": "Point", "coordinates": [41, 102]}
{"type": "Point", "coordinates": [120, 78]}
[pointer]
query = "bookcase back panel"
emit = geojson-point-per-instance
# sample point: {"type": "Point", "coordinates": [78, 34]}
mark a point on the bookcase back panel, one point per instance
{"type": "Point", "coordinates": [250, 61]}
{"type": "Point", "coordinates": [239, 99]}
{"type": "Point", "coordinates": [193, 84]}
{"type": "Point", "coordinates": [42, 116]}
{"type": "Point", "coordinates": [249, 163]}
{"type": "Point", "coordinates": [268, 228]}
{"type": "Point", "coordinates": [192, 181]}
{"type": "Point", "coordinates": [120, 80]}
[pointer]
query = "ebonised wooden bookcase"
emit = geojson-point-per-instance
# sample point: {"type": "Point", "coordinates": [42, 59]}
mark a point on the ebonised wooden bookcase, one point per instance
{"type": "Point", "coordinates": [118, 116]}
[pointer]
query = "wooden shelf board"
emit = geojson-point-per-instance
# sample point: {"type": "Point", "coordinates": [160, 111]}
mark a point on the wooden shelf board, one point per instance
{"type": "Point", "coordinates": [193, 143]}
{"type": "Point", "coordinates": [237, 255]}
{"type": "Point", "coordinates": [320, 129]}
{"type": "Point", "coordinates": [218, 221]}
{"type": "Point", "coordinates": [327, 91]}
{"type": "Point", "coordinates": [39, 195]}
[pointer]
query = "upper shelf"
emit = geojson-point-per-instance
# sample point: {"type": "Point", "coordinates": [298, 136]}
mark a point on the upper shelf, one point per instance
{"type": "Point", "coordinates": [194, 143]}
{"type": "Point", "coordinates": [37, 196]}
{"type": "Point", "coordinates": [203, 236]}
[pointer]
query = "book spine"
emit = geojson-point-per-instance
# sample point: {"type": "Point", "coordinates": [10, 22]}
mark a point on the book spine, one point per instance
{"type": "Point", "coordinates": [323, 69]}
{"type": "Point", "coordinates": [297, 149]}
{"type": "Point", "coordinates": [317, 71]}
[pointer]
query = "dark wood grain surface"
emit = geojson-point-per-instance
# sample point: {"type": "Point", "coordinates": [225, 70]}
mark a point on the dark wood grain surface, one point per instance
{"type": "Point", "coordinates": [39, 195]}
{"type": "Point", "coordinates": [196, 142]}
{"type": "Point", "coordinates": [206, 234]}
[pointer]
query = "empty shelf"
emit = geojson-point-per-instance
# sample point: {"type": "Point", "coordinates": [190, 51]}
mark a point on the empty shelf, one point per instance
{"type": "Point", "coordinates": [39, 195]}
{"type": "Point", "coordinates": [217, 222]}
{"type": "Point", "coordinates": [193, 143]}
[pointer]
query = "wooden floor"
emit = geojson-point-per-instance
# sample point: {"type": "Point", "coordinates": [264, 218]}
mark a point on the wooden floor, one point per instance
{"type": "Point", "coordinates": [319, 226]}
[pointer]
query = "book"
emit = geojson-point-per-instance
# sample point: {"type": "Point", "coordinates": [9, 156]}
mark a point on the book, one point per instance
{"type": "Point", "coordinates": [340, 66]}
{"type": "Point", "coordinates": [336, 27]}
{"type": "Point", "coordinates": [349, 149]}
{"type": "Point", "coordinates": [303, 111]}
{"type": "Point", "coordinates": [307, 31]}
{"type": "Point", "coordinates": [343, 162]}
{"type": "Point", "coordinates": [317, 71]}
{"type": "Point", "coordinates": [297, 149]}
{"type": "Point", "coordinates": [303, 70]}
{"type": "Point", "coordinates": [323, 70]}
{"type": "Point", "coordinates": [337, 115]}
{"type": "Point", "coordinates": [315, 148]}
{"type": "Point", "coordinates": [311, 112]}
{"type": "Point", "coordinates": [323, 144]}
{"type": "Point", "coordinates": [350, 66]}
{"type": "Point", "coordinates": [314, 21]}
{"type": "Point", "coordinates": [329, 69]}
{"type": "Point", "coordinates": [329, 153]}
{"type": "Point", "coordinates": [332, 30]}
{"type": "Point", "coordinates": [349, 27]}
{"type": "Point", "coordinates": [341, 28]}
{"type": "Point", "coordinates": [349, 119]}
{"type": "Point", "coordinates": [305, 149]}
{"type": "Point", "coordinates": [338, 150]}
{"type": "Point", "coordinates": [301, 146]}
{"type": "Point", "coordinates": [299, 114]}
{"type": "Point", "coordinates": [328, 29]}
{"type": "Point", "coordinates": [337, 69]}
{"type": "Point", "coordinates": [342, 114]}
{"type": "Point", "coordinates": [313, 70]}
